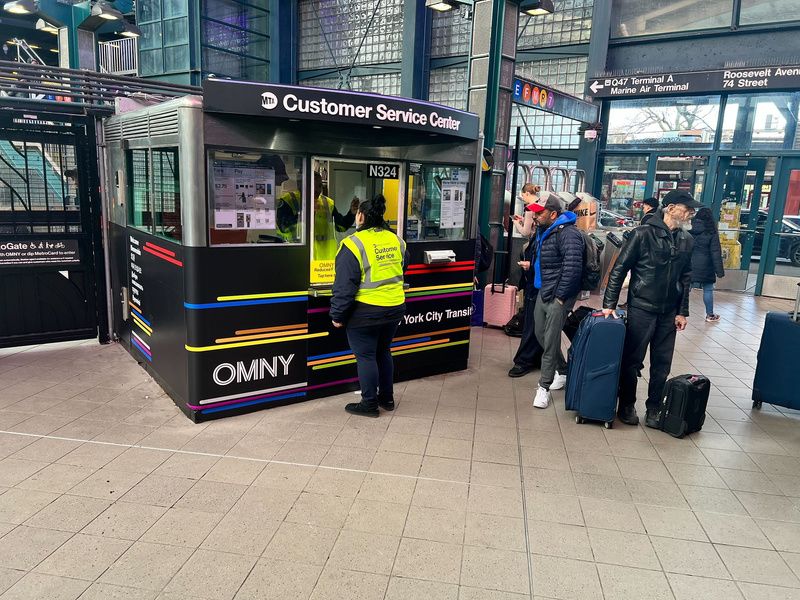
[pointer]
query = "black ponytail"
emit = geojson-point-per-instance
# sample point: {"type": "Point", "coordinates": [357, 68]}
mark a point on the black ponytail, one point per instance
{"type": "Point", "coordinates": [374, 211]}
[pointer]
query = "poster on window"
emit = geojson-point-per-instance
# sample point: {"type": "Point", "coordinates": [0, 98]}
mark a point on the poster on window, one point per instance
{"type": "Point", "coordinates": [244, 197]}
{"type": "Point", "coordinates": [454, 204]}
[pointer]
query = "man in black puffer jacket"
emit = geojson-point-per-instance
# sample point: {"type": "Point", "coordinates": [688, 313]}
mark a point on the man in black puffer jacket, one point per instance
{"type": "Point", "coordinates": [658, 257]}
{"type": "Point", "coordinates": [557, 269]}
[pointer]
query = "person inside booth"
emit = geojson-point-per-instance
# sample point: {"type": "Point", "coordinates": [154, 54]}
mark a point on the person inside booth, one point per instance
{"type": "Point", "coordinates": [328, 221]}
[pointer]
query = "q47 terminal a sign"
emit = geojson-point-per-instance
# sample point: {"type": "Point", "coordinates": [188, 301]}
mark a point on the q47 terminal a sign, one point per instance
{"type": "Point", "coordinates": [697, 82]}
{"type": "Point", "coordinates": [335, 106]}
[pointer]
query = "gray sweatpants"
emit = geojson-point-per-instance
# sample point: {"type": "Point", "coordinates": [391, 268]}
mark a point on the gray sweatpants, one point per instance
{"type": "Point", "coordinates": [549, 318]}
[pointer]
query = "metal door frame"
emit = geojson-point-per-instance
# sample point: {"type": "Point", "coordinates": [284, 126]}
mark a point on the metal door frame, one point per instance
{"type": "Point", "coordinates": [772, 228]}
{"type": "Point", "coordinates": [78, 131]}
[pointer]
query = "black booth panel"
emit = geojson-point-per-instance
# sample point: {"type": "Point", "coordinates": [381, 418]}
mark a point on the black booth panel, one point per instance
{"type": "Point", "coordinates": [157, 324]}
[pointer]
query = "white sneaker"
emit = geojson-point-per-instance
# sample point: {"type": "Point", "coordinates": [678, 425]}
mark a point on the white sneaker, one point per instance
{"type": "Point", "coordinates": [559, 382]}
{"type": "Point", "coordinates": [542, 398]}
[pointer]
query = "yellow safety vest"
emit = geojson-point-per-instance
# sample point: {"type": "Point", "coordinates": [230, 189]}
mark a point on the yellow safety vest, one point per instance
{"type": "Point", "coordinates": [289, 231]}
{"type": "Point", "coordinates": [325, 243]}
{"type": "Point", "coordinates": [380, 255]}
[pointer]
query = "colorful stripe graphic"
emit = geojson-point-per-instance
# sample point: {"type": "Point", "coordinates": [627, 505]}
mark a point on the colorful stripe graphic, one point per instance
{"type": "Point", "coordinates": [462, 265]}
{"type": "Point", "coordinates": [162, 253]}
{"type": "Point", "coordinates": [139, 316]}
{"type": "Point", "coordinates": [347, 354]}
{"type": "Point", "coordinates": [256, 399]}
{"type": "Point", "coordinates": [404, 349]}
{"type": "Point", "coordinates": [438, 296]}
{"type": "Point", "coordinates": [254, 342]}
{"type": "Point", "coordinates": [433, 333]}
{"type": "Point", "coordinates": [234, 303]}
{"type": "Point", "coordinates": [270, 329]}
{"type": "Point", "coordinates": [459, 343]}
{"type": "Point", "coordinates": [137, 343]}
{"type": "Point", "coordinates": [253, 394]}
{"type": "Point", "coordinates": [261, 296]}
{"type": "Point", "coordinates": [313, 311]}
{"type": "Point", "coordinates": [142, 326]}
{"type": "Point", "coordinates": [262, 335]}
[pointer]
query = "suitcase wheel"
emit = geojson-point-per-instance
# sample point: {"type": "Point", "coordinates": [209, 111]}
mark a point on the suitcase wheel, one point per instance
{"type": "Point", "coordinates": [608, 424]}
{"type": "Point", "coordinates": [756, 403]}
{"type": "Point", "coordinates": [579, 419]}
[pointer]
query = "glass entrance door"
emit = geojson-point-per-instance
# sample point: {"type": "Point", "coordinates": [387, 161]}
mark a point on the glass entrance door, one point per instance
{"type": "Point", "coordinates": [742, 204]}
{"type": "Point", "coordinates": [780, 269]}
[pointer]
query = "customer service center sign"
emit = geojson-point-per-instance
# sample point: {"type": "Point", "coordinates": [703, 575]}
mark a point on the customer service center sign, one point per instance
{"type": "Point", "coordinates": [336, 106]}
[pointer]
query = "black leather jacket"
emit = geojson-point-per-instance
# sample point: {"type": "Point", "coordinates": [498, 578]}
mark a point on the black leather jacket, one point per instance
{"type": "Point", "coordinates": [660, 264]}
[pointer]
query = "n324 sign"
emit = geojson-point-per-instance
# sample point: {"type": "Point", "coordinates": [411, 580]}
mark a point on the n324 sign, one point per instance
{"type": "Point", "coordinates": [381, 171]}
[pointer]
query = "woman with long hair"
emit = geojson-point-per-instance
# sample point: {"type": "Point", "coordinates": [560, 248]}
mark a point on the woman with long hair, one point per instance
{"type": "Point", "coordinates": [369, 300]}
{"type": "Point", "coordinates": [706, 259]}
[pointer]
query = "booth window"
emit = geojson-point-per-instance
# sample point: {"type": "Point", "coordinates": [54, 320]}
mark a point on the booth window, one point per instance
{"type": "Point", "coordinates": [141, 209]}
{"type": "Point", "coordinates": [167, 194]}
{"type": "Point", "coordinates": [438, 203]}
{"type": "Point", "coordinates": [256, 198]}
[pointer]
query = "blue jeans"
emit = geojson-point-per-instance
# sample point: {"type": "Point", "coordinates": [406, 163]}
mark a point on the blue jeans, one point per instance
{"type": "Point", "coordinates": [371, 346]}
{"type": "Point", "coordinates": [708, 296]}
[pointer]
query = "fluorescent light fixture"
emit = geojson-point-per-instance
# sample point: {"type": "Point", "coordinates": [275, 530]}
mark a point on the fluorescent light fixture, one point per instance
{"type": "Point", "coordinates": [54, 50]}
{"type": "Point", "coordinates": [445, 5]}
{"type": "Point", "coordinates": [42, 25]}
{"type": "Point", "coordinates": [534, 8]}
{"type": "Point", "coordinates": [20, 7]}
{"type": "Point", "coordinates": [104, 11]}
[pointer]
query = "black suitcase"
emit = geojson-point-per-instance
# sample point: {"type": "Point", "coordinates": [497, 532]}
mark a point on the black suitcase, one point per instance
{"type": "Point", "coordinates": [574, 319]}
{"type": "Point", "coordinates": [514, 327]}
{"type": "Point", "coordinates": [775, 383]}
{"type": "Point", "coordinates": [683, 408]}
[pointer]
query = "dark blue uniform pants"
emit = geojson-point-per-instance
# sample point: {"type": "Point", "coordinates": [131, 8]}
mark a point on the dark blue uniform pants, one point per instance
{"type": "Point", "coordinates": [371, 345]}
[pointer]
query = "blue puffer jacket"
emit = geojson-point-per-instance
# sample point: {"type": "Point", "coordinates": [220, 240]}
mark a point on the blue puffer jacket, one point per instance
{"type": "Point", "coordinates": [559, 259]}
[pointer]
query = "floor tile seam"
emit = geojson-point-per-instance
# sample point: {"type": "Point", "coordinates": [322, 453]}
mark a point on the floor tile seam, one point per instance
{"type": "Point", "coordinates": [523, 487]}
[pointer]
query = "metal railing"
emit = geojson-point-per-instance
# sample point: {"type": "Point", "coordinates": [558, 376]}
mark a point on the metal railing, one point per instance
{"type": "Point", "coordinates": [119, 57]}
{"type": "Point", "coordinates": [25, 53]}
{"type": "Point", "coordinates": [97, 91]}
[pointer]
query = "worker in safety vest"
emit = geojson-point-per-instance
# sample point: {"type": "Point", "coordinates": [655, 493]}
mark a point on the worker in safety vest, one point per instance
{"type": "Point", "coordinates": [369, 299]}
{"type": "Point", "coordinates": [328, 221]}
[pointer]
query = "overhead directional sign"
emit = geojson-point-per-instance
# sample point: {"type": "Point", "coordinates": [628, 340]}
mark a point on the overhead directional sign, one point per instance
{"type": "Point", "coordinates": [536, 95]}
{"type": "Point", "coordinates": [697, 82]}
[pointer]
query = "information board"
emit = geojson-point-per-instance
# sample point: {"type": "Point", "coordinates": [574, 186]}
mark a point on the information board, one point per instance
{"type": "Point", "coordinates": [31, 252]}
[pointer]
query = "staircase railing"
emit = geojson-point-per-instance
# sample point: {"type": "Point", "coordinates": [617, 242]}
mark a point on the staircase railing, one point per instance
{"type": "Point", "coordinates": [25, 53]}
{"type": "Point", "coordinates": [119, 57]}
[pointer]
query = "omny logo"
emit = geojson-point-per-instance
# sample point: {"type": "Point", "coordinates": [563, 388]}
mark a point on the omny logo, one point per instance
{"type": "Point", "coordinates": [255, 370]}
{"type": "Point", "coordinates": [269, 100]}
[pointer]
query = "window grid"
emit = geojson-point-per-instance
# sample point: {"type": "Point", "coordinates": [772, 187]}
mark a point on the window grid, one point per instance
{"type": "Point", "coordinates": [380, 83]}
{"type": "Point", "coordinates": [234, 39]}
{"type": "Point", "coordinates": [345, 23]}
{"type": "Point", "coordinates": [570, 24]}
{"type": "Point", "coordinates": [565, 74]}
{"type": "Point", "coordinates": [549, 131]}
{"type": "Point", "coordinates": [451, 32]}
{"type": "Point", "coordinates": [448, 86]}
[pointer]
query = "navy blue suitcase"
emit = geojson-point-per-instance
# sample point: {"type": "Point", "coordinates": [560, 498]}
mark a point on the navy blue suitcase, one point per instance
{"type": "Point", "coordinates": [593, 373]}
{"type": "Point", "coordinates": [776, 383]}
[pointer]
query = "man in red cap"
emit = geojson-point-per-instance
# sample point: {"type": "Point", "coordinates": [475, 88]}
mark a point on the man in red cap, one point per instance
{"type": "Point", "coordinates": [557, 266]}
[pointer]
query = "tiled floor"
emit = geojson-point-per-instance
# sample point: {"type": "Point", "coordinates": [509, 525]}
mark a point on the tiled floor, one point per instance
{"type": "Point", "coordinates": [465, 492]}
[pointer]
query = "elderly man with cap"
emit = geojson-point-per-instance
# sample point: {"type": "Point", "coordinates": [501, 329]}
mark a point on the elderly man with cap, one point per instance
{"type": "Point", "coordinates": [557, 265]}
{"type": "Point", "coordinates": [659, 258]}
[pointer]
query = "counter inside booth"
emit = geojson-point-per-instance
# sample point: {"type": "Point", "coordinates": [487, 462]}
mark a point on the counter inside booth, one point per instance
{"type": "Point", "coordinates": [228, 306]}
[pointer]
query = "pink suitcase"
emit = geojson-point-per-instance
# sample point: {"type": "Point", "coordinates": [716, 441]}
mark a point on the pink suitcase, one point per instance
{"type": "Point", "coordinates": [499, 304]}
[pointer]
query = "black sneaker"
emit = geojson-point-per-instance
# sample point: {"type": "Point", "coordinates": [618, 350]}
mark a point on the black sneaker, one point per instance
{"type": "Point", "coordinates": [362, 410]}
{"type": "Point", "coordinates": [386, 403]}
{"type": "Point", "coordinates": [627, 414]}
{"type": "Point", "coordinates": [653, 418]}
{"type": "Point", "coordinates": [518, 371]}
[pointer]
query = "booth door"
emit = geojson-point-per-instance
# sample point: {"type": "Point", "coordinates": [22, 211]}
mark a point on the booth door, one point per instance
{"type": "Point", "coordinates": [339, 185]}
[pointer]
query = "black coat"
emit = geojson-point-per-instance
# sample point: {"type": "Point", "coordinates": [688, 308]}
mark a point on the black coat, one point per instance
{"type": "Point", "coordinates": [659, 261]}
{"type": "Point", "coordinates": [560, 261]}
{"type": "Point", "coordinates": [706, 254]}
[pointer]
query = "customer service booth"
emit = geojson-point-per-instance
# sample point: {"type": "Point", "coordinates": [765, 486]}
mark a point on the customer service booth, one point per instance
{"type": "Point", "coordinates": [225, 214]}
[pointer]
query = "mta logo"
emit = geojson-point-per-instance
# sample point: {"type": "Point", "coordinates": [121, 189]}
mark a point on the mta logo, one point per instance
{"type": "Point", "coordinates": [269, 100]}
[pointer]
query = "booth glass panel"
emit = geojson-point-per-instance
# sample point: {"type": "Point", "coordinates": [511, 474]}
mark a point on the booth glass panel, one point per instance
{"type": "Point", "coordinates": [686, 173]}
{"type": "Point", "coordinates": [167, 194]}
{"type": "Point", "coordinates": [339, 186]}
{"type": "Point", "coordinates": [141, 210]}
{"type": "Point", "coordinates": [438, 203]}
{"type": "Point", "coordinates": [256, 198]}
{"type": "Point", "coordinates": [624, 183]}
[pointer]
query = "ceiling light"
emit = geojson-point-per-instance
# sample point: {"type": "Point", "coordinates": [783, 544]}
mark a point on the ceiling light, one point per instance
{"type": "Point", "coordinates": [54, 50]}
{"type": "Point", "coordinates": [106, 12]}
{"type": "Point", "coordinates": [20, 7]}
{"type": "Point", "coordinates": [130, 30]}
{"type": "Point", "coordinates": [534, 8]}
{"type": "Point", "coordinates": [42, 25]}
{"type": "Point", "coordinates": [445, 5]}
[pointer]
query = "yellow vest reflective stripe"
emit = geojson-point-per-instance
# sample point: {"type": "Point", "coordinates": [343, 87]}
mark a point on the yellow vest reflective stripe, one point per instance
{"type": "Point", "coordinates": [380, 255]}
{"type": "Point", "coordinates": [292, 200]}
